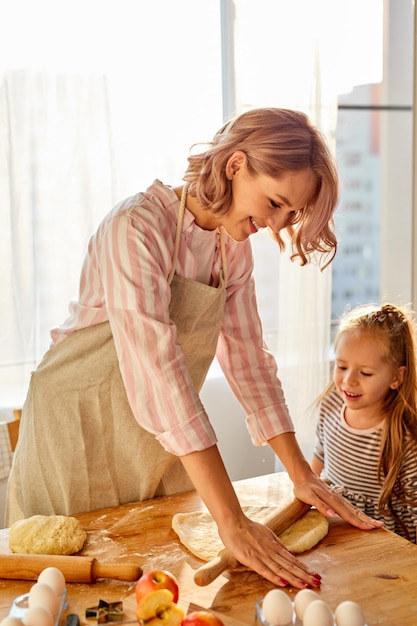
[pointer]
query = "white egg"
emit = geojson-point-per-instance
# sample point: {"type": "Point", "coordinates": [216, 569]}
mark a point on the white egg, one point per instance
{"type": "Point", "coordinates": [302, 600]}
{"type": "Point", "coordinates": [41, 594]}
{"type": "Point", "coordinates": [348, 613]}
{"type": "Point", "coordinates": [54, 578]}
{"type": "Point", "coordinates": [277, 608]}
{"type": "Point", "coordinates": [11, 621]}
{"type": "Point", "coordinates": [38, 616]}
{"type": "Point", "coordinates": [318, 613]}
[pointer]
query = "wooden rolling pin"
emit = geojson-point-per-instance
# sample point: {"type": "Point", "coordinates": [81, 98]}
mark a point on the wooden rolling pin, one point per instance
{"type": "Point", "coordinates": [76, 569]}
{"type": "Point", "coordinates": [278, 521]}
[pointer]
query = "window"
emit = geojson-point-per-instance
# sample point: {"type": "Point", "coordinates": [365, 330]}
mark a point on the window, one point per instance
{"type": "Point", "coordinates": [349, 66]}
{"type": "Point", "coordinates": [96, 102]}
{"type": "Point", "coordinates": [372, 84]}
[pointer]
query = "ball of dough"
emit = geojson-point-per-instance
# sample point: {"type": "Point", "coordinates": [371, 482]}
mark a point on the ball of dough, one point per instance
{"type": "Point", "coordinates": [47, 534]}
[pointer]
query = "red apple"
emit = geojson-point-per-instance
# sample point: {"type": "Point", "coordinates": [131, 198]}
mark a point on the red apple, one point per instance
{"type": "Point", "coordinates": [202, 618]}
{"type": "Point", "coordinates": [154, 604]}
{"type": "Point", "coordinates": [156, 579]}
{"type": "Point", "coordinates": [171, 616]}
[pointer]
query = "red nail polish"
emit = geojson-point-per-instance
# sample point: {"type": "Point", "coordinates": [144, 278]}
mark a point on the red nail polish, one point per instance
{"type": "Point", "coordinates": [316, 582]}
{"type": "Point", "coordinates": [283, 582]}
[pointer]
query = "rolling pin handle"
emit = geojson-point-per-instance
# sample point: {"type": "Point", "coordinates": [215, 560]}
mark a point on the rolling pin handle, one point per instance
{"type": "Point", "coordinates": [278, 521]}
{"type": "Point", "coordinates": [116, 571]}
{"type": "Point", "coordinates": [210, 571]}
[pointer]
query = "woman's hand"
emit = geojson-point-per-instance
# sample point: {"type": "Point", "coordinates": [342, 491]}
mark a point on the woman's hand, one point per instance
{"type": "Point", "coordinates": [249, 542]}
{"type": "Point", "coordinates": [258, 548]}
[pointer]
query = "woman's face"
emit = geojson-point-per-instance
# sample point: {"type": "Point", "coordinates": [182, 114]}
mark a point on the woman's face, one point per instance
{"type": "Point", "coordinates": [264, 201]}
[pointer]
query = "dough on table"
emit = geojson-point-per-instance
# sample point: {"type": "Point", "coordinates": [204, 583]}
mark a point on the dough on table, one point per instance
{"type": "Point", "coordinates": [306, 532]}
{"type": "Point", "coordinates": [197, 531]}
{"type": "Point", "coordinates": [47, 534]}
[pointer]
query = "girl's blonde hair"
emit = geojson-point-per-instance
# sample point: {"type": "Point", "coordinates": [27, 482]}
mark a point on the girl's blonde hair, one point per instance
{"type": "Point", "coordinates": [395, 330]}
{"type": "Point", "coordinates": [276, 142]}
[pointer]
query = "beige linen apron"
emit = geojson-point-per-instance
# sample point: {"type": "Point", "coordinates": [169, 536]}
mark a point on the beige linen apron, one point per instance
{"type": "Point", "coordinates": [80, 447]}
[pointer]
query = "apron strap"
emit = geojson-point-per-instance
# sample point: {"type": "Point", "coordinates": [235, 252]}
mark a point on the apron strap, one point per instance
{"type": "Point", "coordinates": [178, 232]}
{"type": "Point", "coordinates": [223, 251]}
{"type": "Point", "coordinates": [178, 237]}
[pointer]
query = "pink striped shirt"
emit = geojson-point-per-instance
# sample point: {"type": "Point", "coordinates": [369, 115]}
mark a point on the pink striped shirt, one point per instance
{"type": "Point", "coordinates": [124, 281]}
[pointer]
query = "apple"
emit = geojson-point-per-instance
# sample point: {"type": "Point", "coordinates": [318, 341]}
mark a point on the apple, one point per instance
{"type": "Point", "coordinates": [156, 579]}
{"type": "Point", "coordinates": [201, 618]}
{"type": "Point", "coordinates": [172, 616]}
{"type": "Point", "coordinates": [154, 604]}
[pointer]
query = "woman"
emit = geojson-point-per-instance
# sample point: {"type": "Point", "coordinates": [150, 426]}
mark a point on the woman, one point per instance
{"type": "Point", "coordinates": [113, 413]}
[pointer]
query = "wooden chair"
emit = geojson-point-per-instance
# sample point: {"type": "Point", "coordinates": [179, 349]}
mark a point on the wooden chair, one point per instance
{"type": "Point", "coordinates": [13, 428]}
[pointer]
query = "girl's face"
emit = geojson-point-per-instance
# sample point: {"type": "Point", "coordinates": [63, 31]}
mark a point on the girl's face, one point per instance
{"type": "Point", "coordinates": [362, 375]}
{"type": "Point", "coordinates": [264, 201]}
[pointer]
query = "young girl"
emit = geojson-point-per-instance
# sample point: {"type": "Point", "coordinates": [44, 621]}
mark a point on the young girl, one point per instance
{"type": "Point", "coordinates": [367, 429]}
{"type": "Point", "coordinates": [113, 412]}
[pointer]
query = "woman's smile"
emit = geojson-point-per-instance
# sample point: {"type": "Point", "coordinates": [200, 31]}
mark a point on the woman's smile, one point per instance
{"type": "Point", "coordinates": [256, 225]}
{"type": "Point", "coordinates": [266, 202]}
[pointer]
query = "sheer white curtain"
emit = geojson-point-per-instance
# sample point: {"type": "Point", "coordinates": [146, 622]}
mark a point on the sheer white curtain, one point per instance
{"type": "Point", "coordinates": [96, 100]}
{"type": "Point", "coordinates": [299, 55]}
{"type": "Point", "coordinates": [287, 64]}
{"type": "Point", "coordinates": [56, 177]}
{"type": "Point", "coordinates": [99, 98]}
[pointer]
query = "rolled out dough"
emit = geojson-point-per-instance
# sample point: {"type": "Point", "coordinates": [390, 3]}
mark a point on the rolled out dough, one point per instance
{"type": "Point", "coordinates": [197, 531]}
{"type": "Point", "coordinates": [47, 534]}
{"type": "Point", "coordinates": [306, 532]}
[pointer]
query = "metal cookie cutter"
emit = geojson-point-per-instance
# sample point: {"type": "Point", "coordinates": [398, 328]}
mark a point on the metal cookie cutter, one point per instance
{"type": "Point", "coordinates": [106, 612]}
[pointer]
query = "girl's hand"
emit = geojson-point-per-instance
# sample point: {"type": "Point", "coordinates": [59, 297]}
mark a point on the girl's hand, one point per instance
{"type": "Point", "coordinates": [258, 548]}
{"type": "Point", "coordinates": [316, 492]}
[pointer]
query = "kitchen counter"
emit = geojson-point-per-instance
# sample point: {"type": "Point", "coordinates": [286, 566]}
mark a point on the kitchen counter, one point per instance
{"type": "Point", "coordinates": [376, 569]}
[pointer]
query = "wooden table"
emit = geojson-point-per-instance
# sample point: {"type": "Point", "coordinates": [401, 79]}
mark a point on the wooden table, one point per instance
{"type": "Point", "coordinates": [377, 569]}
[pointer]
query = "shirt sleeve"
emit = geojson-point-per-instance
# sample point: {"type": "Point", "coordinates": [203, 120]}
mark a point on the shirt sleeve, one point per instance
{"type": "Point", "coordinates": [329, 412]}
{"type": "Point", "coordinates": [318, 450]}
{"type": "Point", "coordinates": [248, 365]}
{"type": "Point", "coordinates": [124, 281]}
